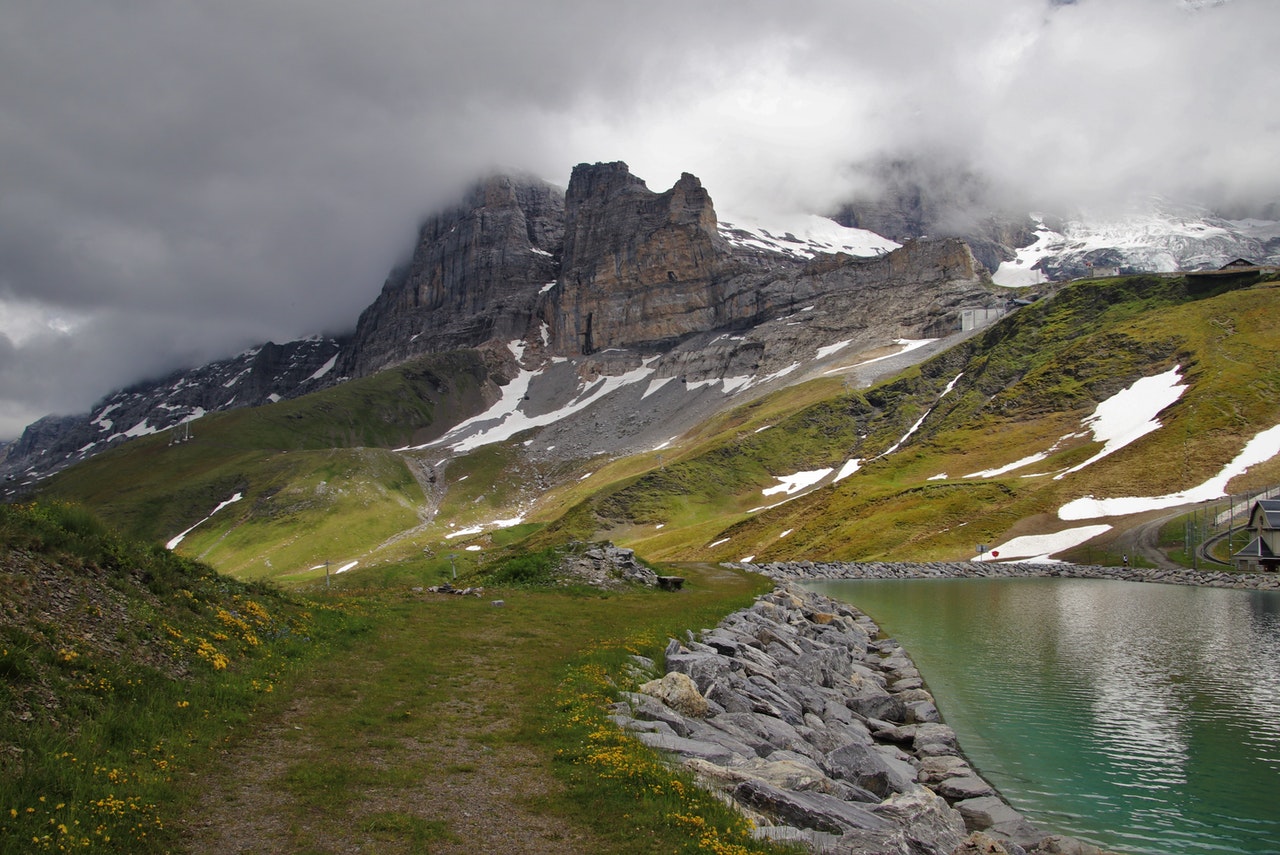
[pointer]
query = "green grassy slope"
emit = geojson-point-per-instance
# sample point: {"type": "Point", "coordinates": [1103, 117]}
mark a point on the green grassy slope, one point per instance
{"type": "Point", "coordinates": [315, 474]}
{"type": "Point", "coordinates": [318, 482]}
{"type": "Point", "coordinates": [1022, 387]}
{"type": "Point", "coordinates": [123, 666]}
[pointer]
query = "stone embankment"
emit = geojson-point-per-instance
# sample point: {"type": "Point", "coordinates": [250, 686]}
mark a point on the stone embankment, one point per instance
{"type": "Point", "coordinates": [821, 730]}
{"type": "Point", "coordinates": [801, 570]}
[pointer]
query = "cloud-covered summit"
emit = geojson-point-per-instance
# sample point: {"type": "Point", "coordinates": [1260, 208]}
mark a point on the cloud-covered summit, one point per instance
{"type": "Point", "coordinates": [184, 180]}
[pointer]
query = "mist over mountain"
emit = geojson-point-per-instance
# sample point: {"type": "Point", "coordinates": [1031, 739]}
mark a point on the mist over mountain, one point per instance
{"type": "Point", "coordinates": [610, 266]}
{"type": "Point", "coordinates": [609, 274]}
{"type": "Point", "coordinates": [193, 183]}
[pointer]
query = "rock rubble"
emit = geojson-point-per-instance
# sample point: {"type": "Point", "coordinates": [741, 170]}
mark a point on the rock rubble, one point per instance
{"type": "Point", "coordinates": [989, 570]}
{"type": "Point", "coordinates": [821, 730]}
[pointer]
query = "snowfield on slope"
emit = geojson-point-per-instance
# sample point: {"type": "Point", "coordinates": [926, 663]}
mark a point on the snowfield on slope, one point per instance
{"type": "Point", "coordinates": [1038, 547]}
{"type": "Point", "coordinates": [805, 237]}
{"type": "Point", "coordinates": [1157, 237]}
{"type": "Point", "coordinates": [1120, 420]}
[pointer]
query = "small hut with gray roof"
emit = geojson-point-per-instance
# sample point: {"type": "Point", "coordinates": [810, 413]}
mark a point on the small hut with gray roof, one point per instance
{"type": "Point", "coordinates": [1263, 552]}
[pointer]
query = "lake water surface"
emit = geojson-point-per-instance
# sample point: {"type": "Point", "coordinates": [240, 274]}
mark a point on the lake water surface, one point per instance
{"type": "Point", "coordinates": [1141, 717]}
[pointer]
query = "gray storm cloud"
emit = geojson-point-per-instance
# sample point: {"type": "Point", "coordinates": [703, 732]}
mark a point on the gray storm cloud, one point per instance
{"type": "Point", "coordinates": [182, 180]}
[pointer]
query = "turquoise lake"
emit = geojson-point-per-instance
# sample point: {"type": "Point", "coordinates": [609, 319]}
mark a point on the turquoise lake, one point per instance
{"type": "Point", "coordinates": [1144, 718]}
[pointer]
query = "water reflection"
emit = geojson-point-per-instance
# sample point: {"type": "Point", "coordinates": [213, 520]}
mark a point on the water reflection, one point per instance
{"type": "Point", "coordinates": [1144, 717]}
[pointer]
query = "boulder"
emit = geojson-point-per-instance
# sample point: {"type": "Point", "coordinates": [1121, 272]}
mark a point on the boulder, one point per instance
{"type": "Point", "coordinates": [990, 814]}
{"type": "Point", "coordinates": [963, 787]}
{"type": "Point", "coordinates": [928, 822]}
{"type": "Point", "coordinates": [808, 810]}
{"type": "Point", "coordinates": [645, 707]}
{"type": "Point", "coordinates": [870, 700]}
{"type": "Point", "coordinates": [713, 752]}
{"type": "Point", "coordinates": [679, 692]}
{"type": "Point", "coordinates": [863, 765]}
{"type": "Point", "coordinates": [979, 843]}
{"type": "Point", "coordinates": [705, 669]}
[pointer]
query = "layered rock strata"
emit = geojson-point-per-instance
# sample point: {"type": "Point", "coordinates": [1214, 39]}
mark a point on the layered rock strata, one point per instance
{"type": "Point", "coordinates": [650, 270]}
{"type": "Point", "coordinates": [476, 275]}
{"type": "Point", "coordinates": [800, 712]}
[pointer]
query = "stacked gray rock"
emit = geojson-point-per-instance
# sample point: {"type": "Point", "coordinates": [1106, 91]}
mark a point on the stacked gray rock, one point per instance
{"type": "Point", "coordinates": [785, 571]}
{"type": "Point", "coordinates": [819, 729]}
{"type": "Point", "coordinates": [607, 566]}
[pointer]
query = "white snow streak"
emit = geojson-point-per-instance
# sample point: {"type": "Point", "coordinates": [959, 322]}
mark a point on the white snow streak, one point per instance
{"type": "Point", "coordinates": [504, 419]}
{"type": "Point", "coordinates": [805, 237]}
{"type": "Point", "coordinates": [1017, 464]}
{"type": "Point", "coordinates": [824, 352]}
{"type": "Point", "coordinates": [178, 539]}
{"type": "Point", "coordinates": [323, 369]}
{"type": "Point", "coordinates": [906, 345]}
{"type": "Point", "coordinates": [849, 467]}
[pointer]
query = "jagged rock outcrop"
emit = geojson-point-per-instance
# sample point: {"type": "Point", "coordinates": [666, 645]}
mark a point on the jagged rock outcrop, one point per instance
{"type": "Point", "coordinates": [640, 268]}
{"type": "Point", "coordinates": [475, 275]}
{"type": "Point", "coordinates": [649, 270]}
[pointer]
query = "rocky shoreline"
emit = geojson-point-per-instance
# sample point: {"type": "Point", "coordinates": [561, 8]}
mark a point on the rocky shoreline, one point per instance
{"type": "Point", "coordinates": [821, 730]}
{"type": "Point", "coordinates": [802, 570]}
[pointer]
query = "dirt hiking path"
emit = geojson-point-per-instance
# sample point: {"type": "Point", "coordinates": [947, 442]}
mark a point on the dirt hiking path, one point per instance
{"type": "Point", "coordinates": [415, 739]}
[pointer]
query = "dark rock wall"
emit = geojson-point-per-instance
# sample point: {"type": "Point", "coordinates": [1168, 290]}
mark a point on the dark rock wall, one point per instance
{"type": "Point", "coordinates": [475, 275]}
{"type": "Point", "coordinates": [640, 268]}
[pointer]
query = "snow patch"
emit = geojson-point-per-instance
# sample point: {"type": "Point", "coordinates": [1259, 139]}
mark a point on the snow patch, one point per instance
{"type": "Point", "coordinates": [323, 369]}
{"type": "Point", "coordinates": [1017, 464]}
{"type": "Point", "coordinates": [805, 237]}
{"type": "Point", "coordinates": [906, 346]}
{"type": "Point", "coordinates": [655, 385]}
{"type": "Point", "coordinates": [504, 419]}
{"type": "Point", "coordinates": [1130, 414]}
{"type": "Point", "coordinates": [849, 467]}
{"type": "Point", "coordinates": [481, 527]}
{"type": "Point", "coordinates": [1260, 449]}
{"type": "Point", "coordinates": [824, 352]}
{"type": "Point", "coordinates": [172, 544]}
{"type": "Point", "coordinates": [1041, 546]}
{"type": "Point", "coordinates": [790, 484]}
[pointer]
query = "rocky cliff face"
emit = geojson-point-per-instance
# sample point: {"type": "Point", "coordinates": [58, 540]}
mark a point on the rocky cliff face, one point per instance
{"type": "Point", "coordinates": [609, 275]}
{"type": "Point", "coordinates": [475, 275]}
{"type": "Point", "coordinates": [640, 268]}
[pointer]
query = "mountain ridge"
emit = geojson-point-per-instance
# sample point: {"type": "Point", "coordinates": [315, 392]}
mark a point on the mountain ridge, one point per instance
{"type": "Point", "coordinates": [498, 268]}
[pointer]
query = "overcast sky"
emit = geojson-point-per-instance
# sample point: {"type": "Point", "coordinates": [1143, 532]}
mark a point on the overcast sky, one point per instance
{"type": "Point", "coordinates": [181, 180]}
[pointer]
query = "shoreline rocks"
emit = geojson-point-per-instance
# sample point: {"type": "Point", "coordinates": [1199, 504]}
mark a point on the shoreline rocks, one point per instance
{"type": "Point", "coordinates": [820, 729]}
{"type": "Point", "coordinates": [810, 570]}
